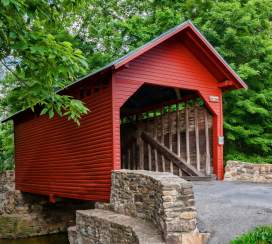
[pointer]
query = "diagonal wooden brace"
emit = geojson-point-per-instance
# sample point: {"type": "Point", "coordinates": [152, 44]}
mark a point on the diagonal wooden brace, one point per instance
{"type": "Point", "coordinates": [167, 153]}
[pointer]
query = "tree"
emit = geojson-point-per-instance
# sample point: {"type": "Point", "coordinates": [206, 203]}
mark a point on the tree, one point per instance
{"type": "Point", "coordinates": [241, 32]}
{"type": "Point", "coordinates": [38, 56]}
{"type": "Point", "coordinates": [37, 52]}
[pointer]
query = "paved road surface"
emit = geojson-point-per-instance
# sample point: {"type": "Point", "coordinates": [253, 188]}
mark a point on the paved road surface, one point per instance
{"type": "Point", "coordinates": [227, 209]}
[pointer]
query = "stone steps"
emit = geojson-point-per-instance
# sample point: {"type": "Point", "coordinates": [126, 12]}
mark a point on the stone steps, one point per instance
{"type": "Point", "coordinates": [112, 228]}
{"type": "Point", "coordinates": [145, 207]}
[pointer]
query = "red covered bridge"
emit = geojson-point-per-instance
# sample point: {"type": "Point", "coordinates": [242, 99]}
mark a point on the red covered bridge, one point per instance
{"type": "Point", "coordinates": [143, 116]}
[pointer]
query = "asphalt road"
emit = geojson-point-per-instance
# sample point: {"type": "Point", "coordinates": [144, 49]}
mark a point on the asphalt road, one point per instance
{"type": "Point", "coordinates": [228, 209]}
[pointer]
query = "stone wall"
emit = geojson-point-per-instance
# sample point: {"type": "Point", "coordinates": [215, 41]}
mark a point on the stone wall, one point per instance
{"type": "Point", "coordinates": [141, 200]}
{"type": "Point", "coordinates": [162, 198]}
{"type": "Point", "coordinates": [24, 215]}
{"type": "Point", "coordinates": [240, 171]}
{"type": "Point", "coordinates": [107, 227]}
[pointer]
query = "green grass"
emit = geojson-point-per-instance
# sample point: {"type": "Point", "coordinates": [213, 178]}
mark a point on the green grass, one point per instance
{"type": "Point", "coordinates": [260, 235]}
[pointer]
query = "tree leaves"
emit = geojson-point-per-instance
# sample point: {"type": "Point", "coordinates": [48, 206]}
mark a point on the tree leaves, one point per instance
{"type": "Point", "coordinates": [47, 61]}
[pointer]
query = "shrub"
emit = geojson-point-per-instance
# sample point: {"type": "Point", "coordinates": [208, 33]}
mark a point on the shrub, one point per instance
{"type": "Point", "coordinates": [260, 235]}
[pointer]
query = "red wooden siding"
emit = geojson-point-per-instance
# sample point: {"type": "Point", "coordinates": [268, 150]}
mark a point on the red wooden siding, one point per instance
{"type": "Point", "coordinates": [168, 64]}
{"type": "Point", "coordinates": [56, 157]}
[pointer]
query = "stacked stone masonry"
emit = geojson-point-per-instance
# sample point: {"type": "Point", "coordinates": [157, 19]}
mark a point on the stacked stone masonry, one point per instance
{"type": "Point", "coordinates": [25, 215]}
{"type": "Point", "coordinates": [123, 229]}
{"type": "Point", "coordinates": [142, 203]}
{"type": "Point", "coordinates": [240, 171]}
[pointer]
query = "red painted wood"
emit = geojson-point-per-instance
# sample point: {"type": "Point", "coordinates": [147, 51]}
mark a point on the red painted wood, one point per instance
{"type": "Point", "coordinates": [169, 64]}
{"type": "Point", "coordinates": [198, 45]}
{"type": "Point", "coordinates": [56, 157]}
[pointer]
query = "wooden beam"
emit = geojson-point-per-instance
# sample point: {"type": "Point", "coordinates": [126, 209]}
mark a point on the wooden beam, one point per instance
{"type": "Point", "coordinates": [225, 84]}
{"type": "Point", "coordinates": [149, 158]}
{"type": "Point", "coordinates": [178, 133]}
{"type": "Point", "coordinates": [179, 162]}
{"type": "Point", "coordinates": [141, 154]}
{"type": "Point", "coordinates": [207, 141]}
{"type": "Point", "coordinates": [187, 132]}
{"type": "Point", "coordinates": [139, 144]}
{"type": "Point", "coordinates": [197, 140]}
{"type": "Point", "coordinates": [149, 153]}
{"type": "Point", "coordinates": [131, 111]}
{"type": "Point", "coordinates": [155, 150]}
{"type": "Point", "coordinates": [162, 139]}
{"type": "Point", "coordinates": [170, 142]}
{"type": "Point", "coordinates": [134, 155]}
{"type": "Point", "coordinates": [129, 157]}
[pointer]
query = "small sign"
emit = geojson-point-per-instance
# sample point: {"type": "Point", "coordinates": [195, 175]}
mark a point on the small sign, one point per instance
{"type": "Point", "coordinates": [221, 140]}
{"type": "Point", "coordinates": [214, 99]}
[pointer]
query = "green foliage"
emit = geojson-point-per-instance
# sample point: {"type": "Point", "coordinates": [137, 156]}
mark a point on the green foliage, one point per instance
{"type": "Point", "coordinates": [6, 147]}
{"type": "Point", "coordinates": [260, 235]}
{"type": "Point", "coordinates": [36, 35]}
{"type": "Point", "coordinates": [39, 56]}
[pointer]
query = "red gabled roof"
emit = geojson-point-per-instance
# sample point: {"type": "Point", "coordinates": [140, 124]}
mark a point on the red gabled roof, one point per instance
{"type": "Point", "coordinates": [195, 41]}
{"type": "Point", "coordinates": [197, 37]}
{"type": "Point", "coordinates": [190, 31]}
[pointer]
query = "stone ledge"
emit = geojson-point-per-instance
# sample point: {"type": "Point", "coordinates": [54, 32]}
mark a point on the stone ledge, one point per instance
{"type": "Point", "coordinates": [249, 172]}
{"type": "Point", "coordinates": [107, 227]}
{"type": "Point", "coordinates": [166, 178]}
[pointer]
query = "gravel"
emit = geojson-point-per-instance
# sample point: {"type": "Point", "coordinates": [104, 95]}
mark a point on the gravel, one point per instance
{"type": "Point", "coordinates": [228, 209]}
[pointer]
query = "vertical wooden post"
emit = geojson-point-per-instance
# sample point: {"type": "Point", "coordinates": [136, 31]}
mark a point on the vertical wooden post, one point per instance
{"type": "Point", "coordinates": [149, 158]}
{"type": "Point", "coordinates": [217, 110]}
{"type": "Point", "coordinates": [129, 158]}
{"type": "Point", "coordinates": [187, 132]}
{"type": "Point", "coordinates": [134, 155]}
{"type": "Point", "coordinates": [142, 146]}
{"type": "Point", "coordinates": [141, 154]}
{"type": "Point", "coordinates": [170, 137]}
{"type": "Point", "coordinates": [207, 142]}
{"type": "Point", "coordinates": [149, 151]}
{"type": "Point", "coordinates": [155, 136]}
{"type": "Point", "coordinates": [218, 164]}
{"type": "Point", "coordinates": [197, 139]}
{"type": "Point", "coordinates": [162, 139]}
{"type": "Point", "coordinates": [140, 143]}
{"type": "Point", "coordinates": [178, 133]}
